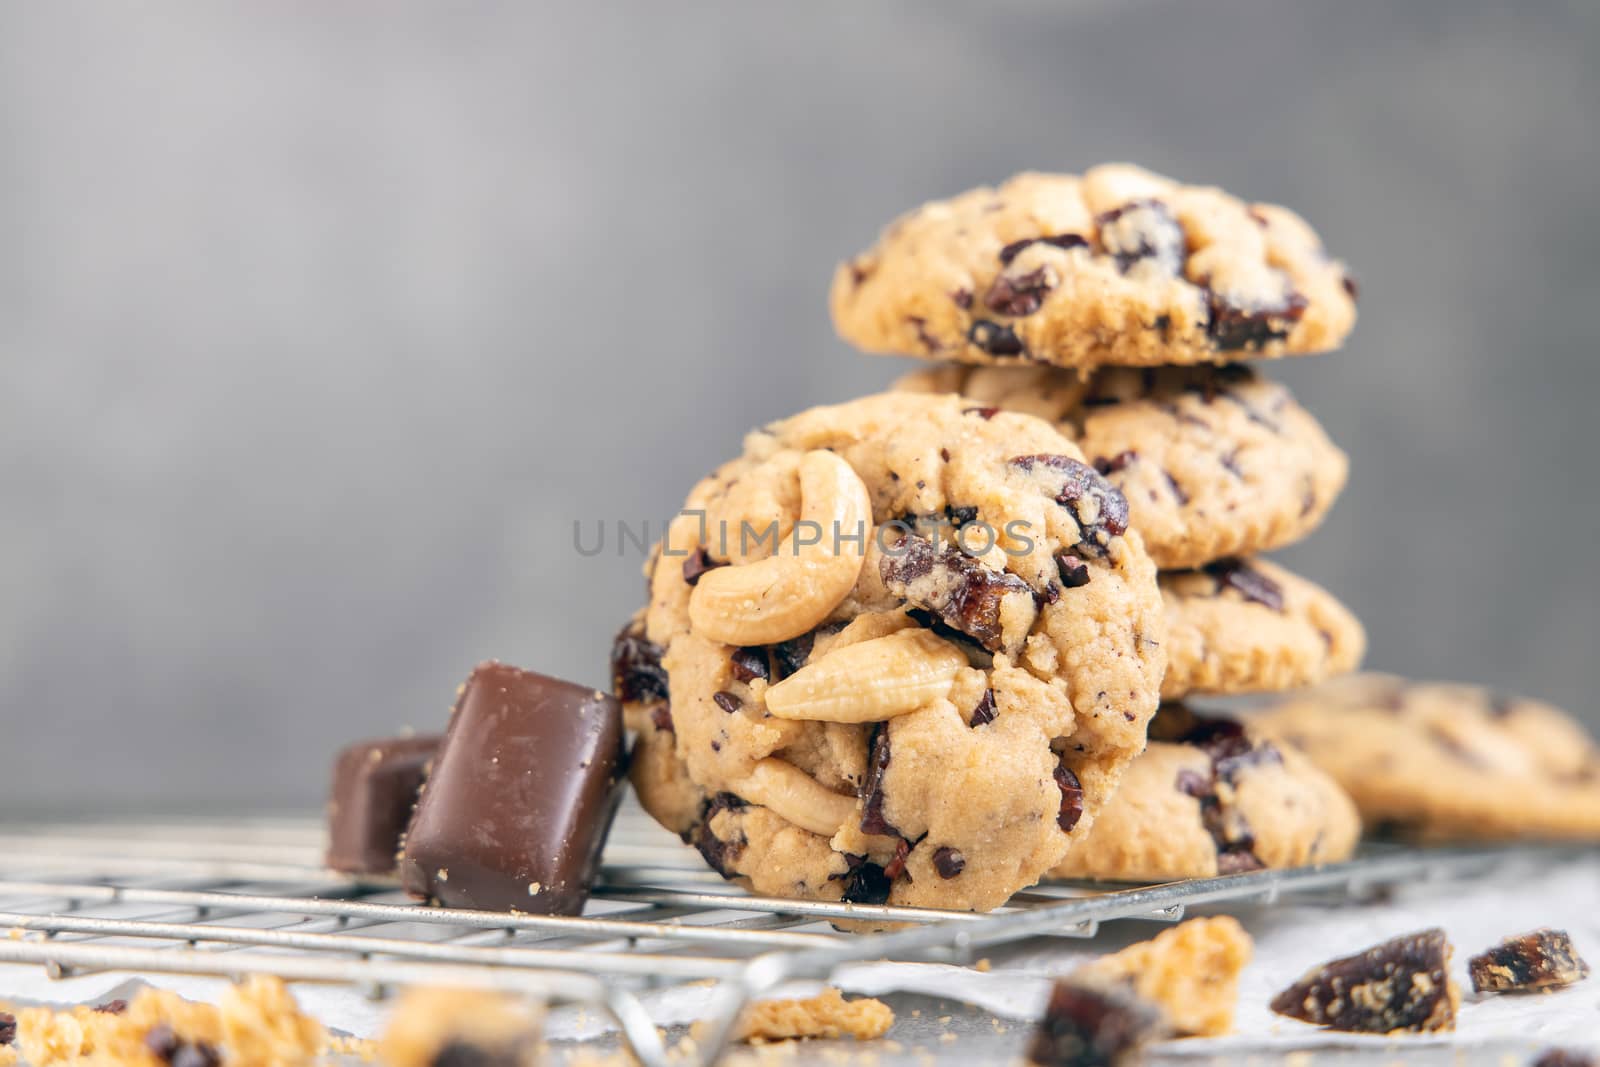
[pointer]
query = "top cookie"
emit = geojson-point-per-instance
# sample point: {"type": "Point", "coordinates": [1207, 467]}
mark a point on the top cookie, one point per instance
{"type": "Point", "coordinates": [927, 705]}
{"type": "Point", "coordinates": [1118, 266]}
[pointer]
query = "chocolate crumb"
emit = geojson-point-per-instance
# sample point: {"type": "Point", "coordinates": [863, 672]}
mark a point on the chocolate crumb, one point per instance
{"type": "Point", "coordinates": [984, 713]}
{"type": "Point", "coordinates": [995, 339]}
{"type": "Point", "coordinates": [1542, 960]}
{"type": "Point", "coordinates": [948, 862]}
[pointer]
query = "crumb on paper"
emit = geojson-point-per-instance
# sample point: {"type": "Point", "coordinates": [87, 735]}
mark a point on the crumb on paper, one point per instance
{"type": "Point", "coordinates": [826, 1015]}
{"type": "Point", "coordinates": [983, 965]}
{"type": "Point", "coordinates": [1191, 971]}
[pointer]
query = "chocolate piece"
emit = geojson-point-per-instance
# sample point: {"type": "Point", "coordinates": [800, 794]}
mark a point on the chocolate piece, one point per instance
{"type": "Point", "coordinates": [1064, 241]}
{"type": "Point", "coordinates": [1230, 750]}
{"type": "Point", "coordinates": [872, 820]}
{"type": "Point", "coordinates": [8, 1028]}
{"type": "Point", "coordinates": [1020, 295]}
{"type": "Point", "coordinates": [1561, 1057]}
{"type": "Point", "coordinates": [1232, 328]}
{"type": "Point", "coordinates": [719, 854]}
{"type": "Point", "coordinates": [750, 664]}
{"type": "Point", "coordinates": [1093, 1024]}
{"type": "Point", "coordinates": [1098, 507]}
{"type": "Point", "coordinates": [995, 339]}
{"type": "Point", "coordinates": [636, 672]}
{"type": "Point", "coordinates": [112, 1007]}
{"type": "Point", "coordinates": [165, 1045]}
{"type": "Point", "coordinates": [728, 702]}
{"type": "Point", "coordinates": [1403, 984]}
{"type": "Point", "coordinates": [960, 591]}
{"type": "Point", "coordinates": [985, 711]}
{"type": "Point", "coordinates": [375, 786]}
{"type": "Point", "coordinates": [1542, 960]}
{"type": "Point", "coordinates": [868, 885]}
{"type": "Point", "coordinates": [520, 798]}
{"type": "Point", "coordinates": [1074, 571]}
{"type": "Point", "coordinates": [697, 563]}
{"type": "Point", "coordinates": [1071, 797]}
{"type": "Point", "coordinates": [948, 861]}
{"type": "Point", "coordinates": [1249, 582]}
{"type": "Point", "coordinates": [459, 1053]}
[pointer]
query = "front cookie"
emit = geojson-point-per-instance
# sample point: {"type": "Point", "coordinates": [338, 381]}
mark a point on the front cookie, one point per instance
{"type": "Point", "coordinates": [922, 710]}
{"type": "Point", "coordinates": [1448, 762]}
{"type": "Point", "coordinates": [1209, 797]}
{"type": "Point", "coordinates": [1214, 461]}
{"type": "Point", "coordinates": [1118, 266]}
{"type": "Point", "coordinates": [1249, 626]}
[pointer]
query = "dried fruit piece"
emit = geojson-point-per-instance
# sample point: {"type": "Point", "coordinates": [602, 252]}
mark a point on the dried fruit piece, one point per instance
{"type": "Point", "coordinates": [959, 590]}
{"type": "Point", "coordinates": [1542, 960]}
{"type": "Point", "coordinates": [636, 672]}
{"type": "Point", "coordinates": [1089, 1023]}
{"type": "Point", "coordinates": [1400, 985]}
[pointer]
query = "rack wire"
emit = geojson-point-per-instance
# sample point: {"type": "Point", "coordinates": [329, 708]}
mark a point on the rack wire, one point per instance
{"type": "Point", "coordinates": [229, 898]}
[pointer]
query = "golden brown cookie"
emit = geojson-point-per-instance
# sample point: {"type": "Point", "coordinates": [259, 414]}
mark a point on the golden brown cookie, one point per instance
{"type": "Point", "coordinates": [1441, 761]}
{"type": "Point", "coordinates": [886, 717]}
{"type": "Point", "coordinates": [1119, 266]}
{"type": "Point", "coordinates": [1249, 626]}
{"type": "Point", "coordinates": [1209, 797]}
{"type": "Point", "coordinates": [1214, 461]}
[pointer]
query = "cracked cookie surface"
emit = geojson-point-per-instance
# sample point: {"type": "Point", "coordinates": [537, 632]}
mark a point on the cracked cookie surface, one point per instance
{"type": "Point", "coordinates": [937, 732]}
{"type": "Point", "coordinates": [1250, 626]}
{"type": "Point", "coordinates": [1118, 266]}
{"type": "Point", "coordinates": [1209, 797]}
{"type": "Point", "coordinates": [1214, 461]}
{"type": "Point", "coordinates": [1448, 762]}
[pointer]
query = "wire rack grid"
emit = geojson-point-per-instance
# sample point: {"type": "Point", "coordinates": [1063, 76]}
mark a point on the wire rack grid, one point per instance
{"type": "Point", "coordinates": [251, 896]}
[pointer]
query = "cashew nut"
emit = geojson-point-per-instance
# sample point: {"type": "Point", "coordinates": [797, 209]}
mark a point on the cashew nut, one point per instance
{"type": "Point", "coordinates": [788, 594]}
{"type": "Point", "coordinates": [870, 681]}
{"type": "Point", "coordinates": [796, 797]}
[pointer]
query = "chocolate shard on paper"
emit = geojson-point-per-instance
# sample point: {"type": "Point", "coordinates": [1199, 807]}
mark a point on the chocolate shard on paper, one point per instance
{"type": "Point", "coordinates": [1542, 960]}
{"type": "Point", "coordinates": [375, 786]}
{"type": "Point", "coordinates": [1090, 1023]}
{"type": "Point", "coordinates": [1400, 985]}
{"type": "Point", "coordinates": [520, 797]}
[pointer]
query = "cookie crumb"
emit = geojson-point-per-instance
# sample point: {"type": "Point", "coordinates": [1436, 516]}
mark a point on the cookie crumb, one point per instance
{"type": "Point", "coordinates": [826, 1015]}
{"type": "Point", "coordinates": [1191, 971]}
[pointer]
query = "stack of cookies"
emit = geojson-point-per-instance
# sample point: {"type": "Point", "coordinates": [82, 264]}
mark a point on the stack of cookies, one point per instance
{"type": "Point", "coordinates": [906, 649]}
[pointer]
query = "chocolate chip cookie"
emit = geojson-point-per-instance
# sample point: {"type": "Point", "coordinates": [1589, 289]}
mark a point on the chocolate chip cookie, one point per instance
{"type": "Point", "coordinates": [1211, 797]}
{"type": "Point", "coordinates": [1249, 626]}
{"type": "Point", "coordinates": [899, 651]}
{"type": "Point", "coordinates": [1117, 266]}
{"type": "Point", "coordinates": [1214, 461]}
{"type": "Point", "coordinates": [1440, 761]}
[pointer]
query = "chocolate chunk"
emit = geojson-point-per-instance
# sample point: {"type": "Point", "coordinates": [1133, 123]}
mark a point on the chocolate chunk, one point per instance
{"type": "Point", "coordinates": [1403, 984]}
{"type": "Point", "coordinates": [1248, 581]}
{"type": "Point", "coordinates": [1560, 1057]}
{"type": "Point", "coordinates": [726, 701]}
{"type": "Point", "coordinates": [868, 885]}
{"type": "Point", "coordinates": [636, 672]}
{"type": "Point", "coordinates": [789, 656]}
{"type": "Point", "coordinates": [165, 1045]}
{"type": "Point", "coordinates": [1143, 230]}
{"type": "Point", "coordinates": [520, 798]}
{"type": "Point", "coordinates": [719, 854]}
{"type": "Point", "coordinates": [8, 1028]}
{"type": "Point", "coordinates": [962, 298]}
{"type": "Point", "coordinates": [1232, 328]}
{"type": "Point", "coordinates": [460, 1053]}
{"type": "Point", "coordinates": [1071, 797]}
{"type": "Point", "coordinates": [1019, 295]}
{"type": "Point", "coordinates": [1099, 508]}
{"type": "Point", "coordinates": [872, 818]}
{"type": "Point", "coordinates": [985, 711]}
{"type": "Point", "coordinates": [697, 563]}
{"type": "Point", "coordinates": [1230, 751]}
{"type": "Point", "coordinates": [948, 861]}
{"type": "Point", "coordinates": [963, 593]}
{"type": "Point", "coordinates": [1544, 959]}
{"type": "Point", "coordinates": [375, 786]}
{"type": "Point", "coordinates": [1116, 463]}
{"type": "Point", "coordinates": [750, 664]}
{"type": "Point", "coordinates": [1074, 571]}
{"type": "Point", "coordinates": [995, 339]}
{"type": "Point", "coordinates": [1089, 1024]}
{"type": "Point", "coordinates": [1063, 241]}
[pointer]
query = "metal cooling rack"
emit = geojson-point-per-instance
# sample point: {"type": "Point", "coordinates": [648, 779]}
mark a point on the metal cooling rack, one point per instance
{"type": "Point", "coordinates": [240, 897]}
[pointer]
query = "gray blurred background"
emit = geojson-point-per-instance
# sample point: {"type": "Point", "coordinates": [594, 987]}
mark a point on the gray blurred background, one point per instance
{"type": "Point", "coordinates": [321, 324]}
